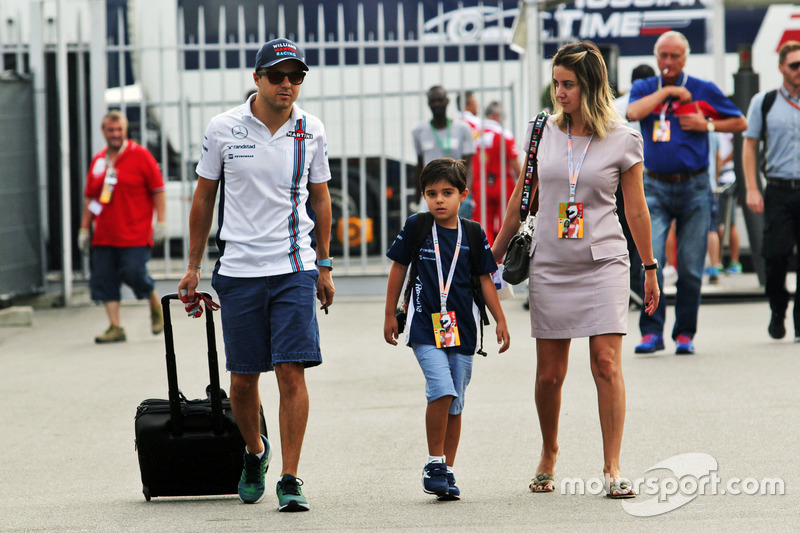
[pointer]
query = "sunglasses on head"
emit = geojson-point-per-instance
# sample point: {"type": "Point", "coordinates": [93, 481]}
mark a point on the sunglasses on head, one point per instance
{"type": "Point", "coordinates": [794, 66]}
{"type": "Point", "coordinates": [275, 77]}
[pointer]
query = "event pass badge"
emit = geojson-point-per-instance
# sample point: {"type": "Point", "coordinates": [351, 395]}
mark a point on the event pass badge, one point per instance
{"type": "Point", "coordinates": [445, 330]}
{"type": "Point", "coordinates": [661, 132]}
{"type": "Point", "coordinates": [570, 220]}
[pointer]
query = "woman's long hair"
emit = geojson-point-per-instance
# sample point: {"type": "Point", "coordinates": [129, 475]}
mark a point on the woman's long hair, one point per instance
{"type": "Point", "coordinates": [597, 101]}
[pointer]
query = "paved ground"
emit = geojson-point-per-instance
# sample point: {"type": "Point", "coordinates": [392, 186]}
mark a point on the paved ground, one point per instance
{"type": "Point", "coordinates": [68, 461]}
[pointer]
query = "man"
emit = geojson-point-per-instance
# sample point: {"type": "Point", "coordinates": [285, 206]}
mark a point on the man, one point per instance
{"type": "Point", "coordinates": [621, 102]}
{"type": "Point", "coordinates": [495, 165]}
{"type": "Point", "coordinates": [727, 201]}
{"type": "Point", "coordinates": [781, 201]}
{"type": "Point", "coordinates": [441, 137]}
{"type": "Point", "coordinates": [469, 111]}
{"type": "Point", "coordinates": [469, 114]}
{"type": "Point", "coordinates": [676, 112]}
{"type": "Point", "coordinates": [123, 188]}
{"type": "Point", "coordinates": [269, 157]}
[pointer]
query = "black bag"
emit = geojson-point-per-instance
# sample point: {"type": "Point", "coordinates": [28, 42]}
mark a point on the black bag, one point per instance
{"type": "Point", "coordinates": [189, 447]}
{"type": "Point", "coordinates": [516, 263]}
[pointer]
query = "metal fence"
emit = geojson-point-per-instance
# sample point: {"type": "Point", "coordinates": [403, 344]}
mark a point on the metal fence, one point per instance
{"type": "Point", "coordinates": [371, 65]}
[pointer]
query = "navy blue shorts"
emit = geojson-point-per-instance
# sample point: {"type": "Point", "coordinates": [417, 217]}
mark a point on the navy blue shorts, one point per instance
{"type": "Point", "coordinates": [111, 267]}
{"type": "Point", "coordinates": [269, 320]}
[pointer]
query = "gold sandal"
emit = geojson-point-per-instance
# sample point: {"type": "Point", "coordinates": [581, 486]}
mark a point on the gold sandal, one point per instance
{"type": "Point", "coordinates": [542, 482]}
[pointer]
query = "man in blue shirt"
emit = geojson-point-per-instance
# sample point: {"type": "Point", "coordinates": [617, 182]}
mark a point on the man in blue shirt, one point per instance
{"type": "Point", "coordinates": [676, 112]}
{"type": "Point", "coordinates": [781, 201]}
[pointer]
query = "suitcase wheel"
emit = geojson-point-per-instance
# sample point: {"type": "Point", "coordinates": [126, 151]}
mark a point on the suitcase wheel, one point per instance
{"type": "Point", "coordinates": [222, 393]}
{"type": "Point", "coordinates": [146, 492]}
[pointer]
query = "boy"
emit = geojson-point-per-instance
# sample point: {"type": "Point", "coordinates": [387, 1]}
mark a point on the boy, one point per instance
{"type": "Point", "coordinates": [442, 314]}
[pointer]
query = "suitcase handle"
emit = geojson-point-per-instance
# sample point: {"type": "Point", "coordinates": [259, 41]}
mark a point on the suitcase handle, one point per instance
{"type": "Point", "coordinates": [172, 369]}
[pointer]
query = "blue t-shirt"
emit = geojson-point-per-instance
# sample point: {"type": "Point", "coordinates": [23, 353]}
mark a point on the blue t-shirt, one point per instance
{"type": "Point", "coordinates": [686, 151]}
{"type": "Point", "coordinates": [425, 294]}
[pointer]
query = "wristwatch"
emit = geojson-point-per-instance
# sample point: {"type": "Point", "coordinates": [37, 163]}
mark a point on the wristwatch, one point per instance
{"type": "Point", "coordinates": [710, 126]}
{"type": "Point", "coordinates": [654, 266]}
{"type": "Point", "coordinates": [325, 263]}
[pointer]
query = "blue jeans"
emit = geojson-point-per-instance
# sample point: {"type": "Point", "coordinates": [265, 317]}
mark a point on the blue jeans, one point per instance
{"type": "Point", "coordinates": [686, 203]}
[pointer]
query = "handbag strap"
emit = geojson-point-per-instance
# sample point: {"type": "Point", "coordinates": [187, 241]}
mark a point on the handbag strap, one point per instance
{"type": "Point", "coordinates": [530, 168]}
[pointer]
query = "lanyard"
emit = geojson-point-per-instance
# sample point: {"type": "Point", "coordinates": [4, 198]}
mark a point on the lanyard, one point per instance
{"type": "Point", "coordinates": [444, 289]}
{"type": "Point", "coordinates": [663, 115]}
{"type": "Point", "coordinates": [573, 172]}
{"type": "Point", "coordinates": [444, 146]}
{"type": "Point", "coordinates": [788, 101]}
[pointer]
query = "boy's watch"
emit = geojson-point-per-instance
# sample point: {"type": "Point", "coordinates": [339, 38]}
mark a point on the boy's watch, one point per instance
{"type": "Point", "coordinates": [325, 263]}
{"type": "Point", "coordinates": [654, 266]}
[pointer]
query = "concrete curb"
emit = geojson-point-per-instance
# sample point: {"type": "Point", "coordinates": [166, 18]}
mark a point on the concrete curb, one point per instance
{"type": "Point", "coordinates": [16, 316]}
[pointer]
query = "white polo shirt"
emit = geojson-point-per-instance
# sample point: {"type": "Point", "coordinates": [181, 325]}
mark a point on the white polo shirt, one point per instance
{"type": "Point", "coordinates": [263, 224]}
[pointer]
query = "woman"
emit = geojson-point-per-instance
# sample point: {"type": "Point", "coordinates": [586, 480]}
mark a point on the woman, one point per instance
{"type": "Point", "coordinates": [579, 282]}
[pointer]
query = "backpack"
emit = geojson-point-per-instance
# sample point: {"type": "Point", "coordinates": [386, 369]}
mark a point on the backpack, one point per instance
{"type": "Point", "coordinates": [766, 105]}
{"type": "Point", "coordinates": [422, 229]}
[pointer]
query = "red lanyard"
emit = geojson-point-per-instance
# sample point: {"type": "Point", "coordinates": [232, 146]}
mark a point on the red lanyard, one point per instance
{"type": "Point", "coordinates": [780, 90]}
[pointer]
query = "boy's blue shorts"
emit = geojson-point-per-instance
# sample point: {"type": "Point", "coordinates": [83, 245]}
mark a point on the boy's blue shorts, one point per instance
{"type": "Point", "coordinates": [446, 372]}
{"type": "Point", "coordinates": [112, 266]}
{"type": "Point", "coordinates": [269, 320]}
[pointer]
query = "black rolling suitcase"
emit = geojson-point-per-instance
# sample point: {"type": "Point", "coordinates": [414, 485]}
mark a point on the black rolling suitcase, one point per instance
{"type": "Point", "coordinates": [189, 447]}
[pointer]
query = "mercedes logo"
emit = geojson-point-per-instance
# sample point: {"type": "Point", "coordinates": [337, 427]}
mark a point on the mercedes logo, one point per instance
{"type": "Point", "coordinates": [240, 132]}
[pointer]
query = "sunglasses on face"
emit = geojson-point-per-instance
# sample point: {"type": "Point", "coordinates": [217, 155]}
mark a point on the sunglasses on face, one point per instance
{"type": "Point", "coordinates": [275, 77]}
{"type": "Point", "coordinates": [794, 66]}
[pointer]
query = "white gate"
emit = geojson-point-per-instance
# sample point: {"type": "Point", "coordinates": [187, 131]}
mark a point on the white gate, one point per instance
{"type": "Point", "coordinates": [174, 65]}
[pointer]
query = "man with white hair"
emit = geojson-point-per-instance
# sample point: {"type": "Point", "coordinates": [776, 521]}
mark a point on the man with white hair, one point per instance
{"type": "Point", "coordinates": [676, 112]}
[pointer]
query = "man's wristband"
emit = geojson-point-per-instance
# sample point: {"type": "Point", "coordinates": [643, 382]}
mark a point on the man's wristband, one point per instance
{"type": "Point", "coordinates": [195, 266]}
{"type": "Point", "coordinates": [328, 262]}
{"type": "Point", "coordinates": [654, 266]}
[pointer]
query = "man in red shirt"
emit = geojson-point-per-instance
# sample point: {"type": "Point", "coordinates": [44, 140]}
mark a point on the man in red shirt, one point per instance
{"type": "Point", "coordinates": [123, 188]}
{"type": "Point", "coordinates": [468, 112]}
{"type": "Point", "coordinates": [495, 161]}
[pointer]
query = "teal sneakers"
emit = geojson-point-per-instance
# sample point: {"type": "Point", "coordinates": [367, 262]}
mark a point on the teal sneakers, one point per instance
{"type": "Point", "coordinates": [251, 484]}
{"type": "Point", "coordinates": [290, 497]}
